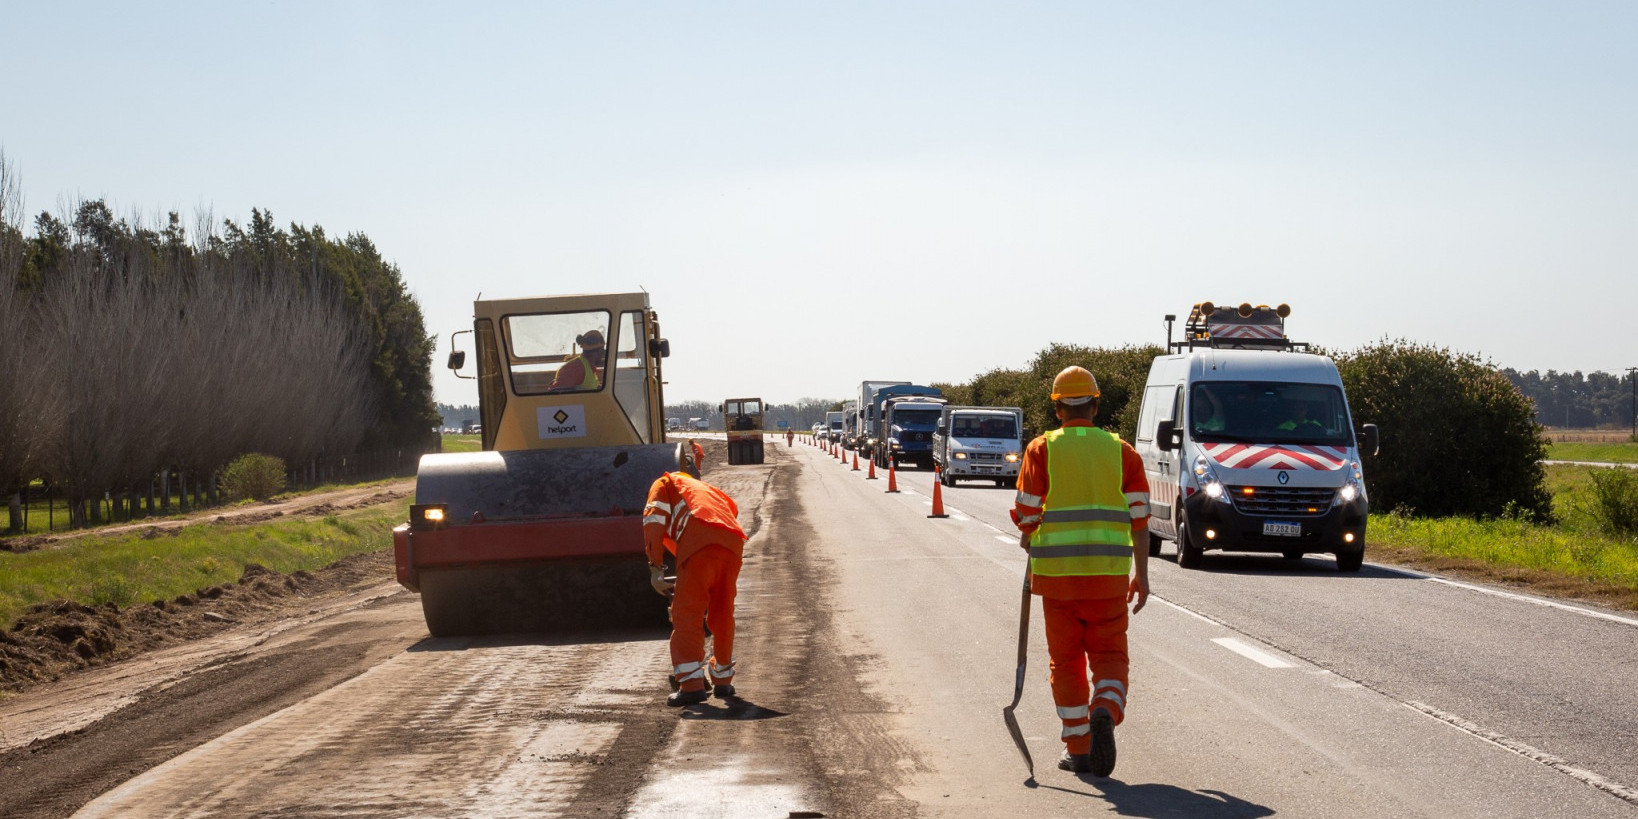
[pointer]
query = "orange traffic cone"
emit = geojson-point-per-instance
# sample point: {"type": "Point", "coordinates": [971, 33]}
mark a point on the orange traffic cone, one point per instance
{"type": "Point", "coordinates": [871, 475]}
{"type": "Point", "coordinates": [938, 496]}
{"type": "Point", "coordinates": [892, 477]}
{"type": "Point", "coordinates": [855, 460]}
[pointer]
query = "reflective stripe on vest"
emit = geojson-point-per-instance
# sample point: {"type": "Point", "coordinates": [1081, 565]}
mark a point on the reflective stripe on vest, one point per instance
{"type": "Point", "coordinates": [1086, 528]}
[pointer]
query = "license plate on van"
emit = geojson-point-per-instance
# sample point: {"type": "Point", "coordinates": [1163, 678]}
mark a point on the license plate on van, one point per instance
{"type": "Point", "coordinates": [1280, 528]}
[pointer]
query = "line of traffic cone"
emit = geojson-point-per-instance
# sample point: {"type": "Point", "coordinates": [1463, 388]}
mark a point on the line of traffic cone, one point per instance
{"type": "Point", "coordinates": [871, 475]}
{"type": "Point", "coordinates": [892, 478]}
{"type": "Point", "coordinates": [938, 496]}
{"type": "Point", "coordinates": [855, 460]}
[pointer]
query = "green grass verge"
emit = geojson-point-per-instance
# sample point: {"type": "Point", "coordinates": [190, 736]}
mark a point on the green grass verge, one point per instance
{"type": "Point", "coordinates": [1597, 453]}
{"type": "Point", "coordinates": [463, 443]}
{"type": "Point", "coordinates": [1517, 544]}
{"type": "Point", "coordinates": [129, 569]}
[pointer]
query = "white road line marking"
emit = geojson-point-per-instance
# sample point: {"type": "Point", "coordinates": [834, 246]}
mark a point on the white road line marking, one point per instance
{"type": "Point", "coordinates": [1582, 775]}
{"type": "Point", "coordinates": [1192, 613]}
{"type": "Point", "coordinates": [1007, 540]}
{"type": "Point", "coordinates": [959, 516]}
{"type": "Point", "coordinates": [1252, 653]}
{"type": "Point", "coordinates": [1625, 621]}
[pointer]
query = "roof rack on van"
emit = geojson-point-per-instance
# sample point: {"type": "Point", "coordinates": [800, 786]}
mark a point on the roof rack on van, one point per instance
{"type": "Point", "coordinates": [1243, 328]}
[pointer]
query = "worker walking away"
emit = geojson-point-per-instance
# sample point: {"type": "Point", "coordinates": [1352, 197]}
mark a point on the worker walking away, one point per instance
{"type": "Point", "coordinates": [698, 523]}
{"type": "Point", "coordinates": [1082, 503]}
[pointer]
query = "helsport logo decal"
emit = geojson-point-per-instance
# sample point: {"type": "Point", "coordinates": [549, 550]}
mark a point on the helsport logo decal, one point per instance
{"type": "Point", "coordinates": [1247, 456]}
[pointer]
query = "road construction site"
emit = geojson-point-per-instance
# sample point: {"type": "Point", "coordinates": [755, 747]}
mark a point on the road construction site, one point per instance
{"type": "Point", "coordinates": [877, 646]}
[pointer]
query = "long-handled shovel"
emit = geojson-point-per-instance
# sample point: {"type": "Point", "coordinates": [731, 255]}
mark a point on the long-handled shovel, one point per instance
{"type": "Point", "coordinates": [1007, 714]}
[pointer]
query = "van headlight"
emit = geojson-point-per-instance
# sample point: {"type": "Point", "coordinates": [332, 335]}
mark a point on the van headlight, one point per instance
{"type": "Point", "coordinates": [1207, 477]}
{"type": "Point", "coordinates": [1012, 457]}
{"type": "Point", "coordinates": [960, 456]}
{"type": "Point", "coordinates": [1348, 492]}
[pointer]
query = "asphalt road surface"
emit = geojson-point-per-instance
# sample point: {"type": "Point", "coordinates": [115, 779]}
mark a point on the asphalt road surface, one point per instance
{"type": "Point", "coordinates": [877, 648]}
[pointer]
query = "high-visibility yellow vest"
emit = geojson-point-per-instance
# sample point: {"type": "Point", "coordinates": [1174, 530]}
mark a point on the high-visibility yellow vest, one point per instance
{"type": "Point", "coordinates": [589, 381]}
{"type": "Point", "coordinates": [1086, 525]}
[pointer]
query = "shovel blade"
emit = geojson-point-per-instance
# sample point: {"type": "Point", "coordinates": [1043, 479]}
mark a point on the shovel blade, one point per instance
{"type": "Point", "coordinates": [1011, 720]}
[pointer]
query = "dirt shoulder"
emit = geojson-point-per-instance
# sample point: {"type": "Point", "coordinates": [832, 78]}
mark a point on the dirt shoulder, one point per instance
{"type": "Point", "coordinates": [55, 639]}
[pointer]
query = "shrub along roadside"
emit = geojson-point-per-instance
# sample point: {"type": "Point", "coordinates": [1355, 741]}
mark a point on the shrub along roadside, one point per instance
{"type": "Point", "coordinates": [143, 567]}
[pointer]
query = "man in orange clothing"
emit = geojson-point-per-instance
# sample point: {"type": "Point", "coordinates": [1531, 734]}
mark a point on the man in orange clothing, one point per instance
{"type": "Point", "coordinates": [1082, 502]}
{"type": "Point", "coordinates": [698, 523]}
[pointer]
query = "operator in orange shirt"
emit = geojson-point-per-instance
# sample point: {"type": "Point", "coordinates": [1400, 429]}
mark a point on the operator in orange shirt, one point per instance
{"type": "Point", "coordinates": [698, 523]}
{"type": "Point", "coordinates": [1082, 503]}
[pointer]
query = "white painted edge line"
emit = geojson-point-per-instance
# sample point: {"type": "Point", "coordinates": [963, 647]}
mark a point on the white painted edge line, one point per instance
{"type": "Point", "coordinates": [1582, 775]}
{"type": "Point", "coordinates": [1191, 612]}
{"type": "Point", "coordinates": [1252, 653]}
{"type": "Point", "coordinates": [1007, 540]}
{"type": "Point", "coordinates": [1524, 598]}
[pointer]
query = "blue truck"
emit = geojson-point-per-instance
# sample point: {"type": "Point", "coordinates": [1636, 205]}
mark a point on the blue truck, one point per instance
{"type": "Point", "coordinates": [902, 419]}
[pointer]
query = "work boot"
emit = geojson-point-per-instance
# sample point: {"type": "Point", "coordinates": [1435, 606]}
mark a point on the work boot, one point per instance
{"type": "Point", "coordinates": [1103, 743]}
{"type": "Point", "coordinates": [682, 698]}
{"type": "Point", "coordinates": [1075, 763]}
{"type": "Point", "coordinates": [724, 691]}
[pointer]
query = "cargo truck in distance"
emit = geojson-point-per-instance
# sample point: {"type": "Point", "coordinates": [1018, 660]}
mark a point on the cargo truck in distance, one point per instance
{"type": "Point", "coordinates": [743, 418]}
{"type": "Point", "coordinates": [833, 426]}
{"type": "Point", "coordinates": [1248, 443]}
{"type": "Point", "coordinates": [542, 529]}
{"type": "Point", "coordinates": [867, 413]}
{"type": "Point", "coordinates": [905, 416]}
{"type": "Point", "coordinates": [985, 443]}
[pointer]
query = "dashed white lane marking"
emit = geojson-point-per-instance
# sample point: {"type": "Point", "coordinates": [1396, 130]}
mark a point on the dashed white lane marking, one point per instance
{"type": "Point", "coordinates": [1582, 775]}
{"type": "Point", "coordinates": [1007, 540]}
{"type": "Point", "coordinates": [1252, 653]}
{"type": "Point", "coordinates": [1599, 615]}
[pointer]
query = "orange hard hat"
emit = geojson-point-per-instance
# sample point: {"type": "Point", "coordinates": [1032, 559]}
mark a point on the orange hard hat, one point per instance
{"type": "Point", "coordinates": [1075, 385]}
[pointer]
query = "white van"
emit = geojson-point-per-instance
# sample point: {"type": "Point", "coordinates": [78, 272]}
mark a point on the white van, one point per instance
{"type": "Point", "coordinates": [979, 442]}
{"type": "Point", "coordinates": [1249, 446]}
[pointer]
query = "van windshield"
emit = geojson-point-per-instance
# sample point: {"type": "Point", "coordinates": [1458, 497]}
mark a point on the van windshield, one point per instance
{"type": "Point", "coordinates": [1268, 412]}
{"type": "Point", "coordinates": [983, 426]}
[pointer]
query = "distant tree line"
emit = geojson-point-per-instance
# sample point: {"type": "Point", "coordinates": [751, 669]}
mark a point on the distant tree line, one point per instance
{"type": "Point", "coordinates": [798, 415]}
{"type": "Point", "coordinates": [1576, 401]}
{"type": "Point", "coordinates": [133, 350]}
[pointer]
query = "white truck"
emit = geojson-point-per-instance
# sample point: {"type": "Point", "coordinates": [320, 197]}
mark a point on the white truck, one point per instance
{"type": "Point", "coordinates": [985, 443]}
{"type": "Point", "coordinates": [833, 426]}
{"type": "Point", "coordinates": [1248, 443]}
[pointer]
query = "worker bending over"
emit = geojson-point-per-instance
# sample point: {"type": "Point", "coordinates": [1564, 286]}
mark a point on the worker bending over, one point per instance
{"type": "Point", "coordinates": [1082, 503]}
{"type": "Point", "coordinates": [698, 523]}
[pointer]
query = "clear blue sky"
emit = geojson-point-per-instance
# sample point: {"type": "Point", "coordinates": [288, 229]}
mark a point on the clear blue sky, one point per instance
{"type": "Point", "coordinates": [820, 193]}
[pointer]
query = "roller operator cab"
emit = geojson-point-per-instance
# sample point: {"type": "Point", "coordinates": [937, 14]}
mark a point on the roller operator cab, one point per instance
{"type": "Point", "coordinates": [744, 418]}
{"type": "Point", "coordinates": [542, 530]}
{"type": "Point", "coordinates": [1248, 443]}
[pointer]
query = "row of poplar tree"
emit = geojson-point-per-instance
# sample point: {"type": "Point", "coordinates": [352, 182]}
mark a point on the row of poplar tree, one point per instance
{"type": "Point", "coordinates": [131, 350]}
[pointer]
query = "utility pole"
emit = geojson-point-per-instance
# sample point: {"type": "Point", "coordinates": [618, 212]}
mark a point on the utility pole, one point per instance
{"type": "Point", "coordinates": [1632, 376]}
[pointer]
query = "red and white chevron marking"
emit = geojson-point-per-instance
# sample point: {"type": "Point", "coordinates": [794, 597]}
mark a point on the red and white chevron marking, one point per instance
{"type": "Point", "coordinates": [1248, 456]}
{"type": "Point", "coordinates": [1248, 331]}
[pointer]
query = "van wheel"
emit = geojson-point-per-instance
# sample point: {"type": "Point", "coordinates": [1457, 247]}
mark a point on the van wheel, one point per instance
{"type": "Point", "coordinates": [1154, 545]}
{"type": "Point", "coordinates": [1292, 554]}
{"type": "Point", "coordinates": [1189, 556]}
{"type": "Point", "coordinates": [1001, 482]}
{"type": "Point", "coordinates": [1350, 561]}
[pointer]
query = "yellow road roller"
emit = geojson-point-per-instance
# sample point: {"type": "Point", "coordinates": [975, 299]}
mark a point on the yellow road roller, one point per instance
{"type": "Point", "coordinates": [542, 529]}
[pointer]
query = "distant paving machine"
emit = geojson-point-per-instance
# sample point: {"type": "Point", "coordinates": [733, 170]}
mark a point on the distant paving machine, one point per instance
{"type": "Point", "coordinates": [543, 528]}
{"type": "Point", "coordinates": [743, 418]}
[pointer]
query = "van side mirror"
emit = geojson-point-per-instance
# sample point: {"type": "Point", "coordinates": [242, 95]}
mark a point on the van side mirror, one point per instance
{"type": "Point", "coordinates": [941, 426]}
{"type": "Point", "coordinates": [1368, 439]}
{"type": "Point", "coordinates": [659, 348]}
{"type": "Point", "coordinates": [1167, 436]}
{"type": "Point", "coordinates": [457, 359]}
